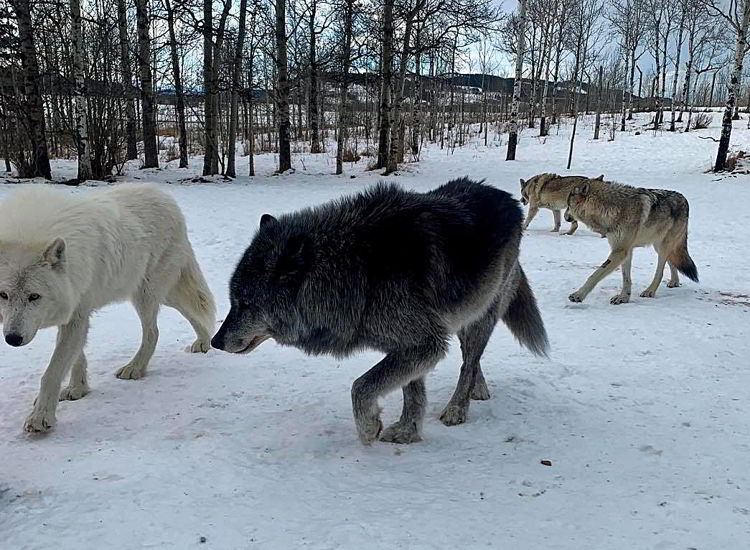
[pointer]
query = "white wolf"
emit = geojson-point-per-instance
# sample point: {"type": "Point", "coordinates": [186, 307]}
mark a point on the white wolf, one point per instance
{"type": "Point", "coordinates": [63, 256]}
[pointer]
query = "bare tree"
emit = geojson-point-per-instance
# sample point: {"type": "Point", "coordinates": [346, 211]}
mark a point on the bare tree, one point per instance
{"type": "Point", "coordinates": [736, 17]}
{"type": "Point", "coordinates": [150, 148]}
{"type": "Point", "coordinates": [584, 23]}
{"type": "Point", "coordinates": [520, 50]}
{"type": "Point", "coordinates": [178, 86]}
{"type": "Point", "coordinates": [282, 88]}
{"type": "Point", "coordinates": [79, 94]}
{"type": "Point", "coordinates": [32, 105]}
{"type": "Point", "coordinates": [131, 125]}
{"type": "Point", "coordinates": [344, 107]}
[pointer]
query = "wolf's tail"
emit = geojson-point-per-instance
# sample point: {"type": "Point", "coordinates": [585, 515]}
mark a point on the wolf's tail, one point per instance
{"type": "Point", "coordinates": [191, 294]}
{"type": "Point", "coordinates": [524, 320]}
{"type": "Point", "coordinates": [681, 260]}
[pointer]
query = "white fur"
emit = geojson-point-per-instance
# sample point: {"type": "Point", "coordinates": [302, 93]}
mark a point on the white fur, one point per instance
{"type": "Point", "coordinates": [79, 252]}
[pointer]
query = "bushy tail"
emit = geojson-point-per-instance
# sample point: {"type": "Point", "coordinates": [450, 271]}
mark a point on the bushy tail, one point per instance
{"type": "Point", "coordinates": [192, 293]}
{"type": "Point", "coordinates": [680, 259]}
{"type": "Point", "coordinates": [524, 321]}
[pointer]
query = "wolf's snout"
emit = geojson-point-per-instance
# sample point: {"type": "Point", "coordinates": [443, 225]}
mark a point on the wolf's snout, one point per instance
{"type": "Point", "coordinates": [14, 340]}
{"type": "Point", "coordinates": [217, 341]}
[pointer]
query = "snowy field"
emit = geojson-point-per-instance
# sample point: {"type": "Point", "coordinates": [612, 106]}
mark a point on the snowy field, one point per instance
{"type": "Point", "coordinates": [642, 409]}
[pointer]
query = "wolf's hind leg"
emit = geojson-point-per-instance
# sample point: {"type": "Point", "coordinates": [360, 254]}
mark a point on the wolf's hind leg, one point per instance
{"type": "Point", "coordinates": [408, 429]}
{"type": "Point", "coordinates": [556, 214]}
{"type": "Point", "coordinates": [147, 307]}
{"type": "Point", "coordinates": [78, 385]}
{"type": "Point", "coordinates": [674, 278]}
{"type": "Point", "coordinates": [473, 340]}
{"type": "Point", "coordinates": [397, 369]}
{"type": "Point", "coordinates": [650, 291]}
{"type": "Point", "coordinates": [192, 298]}
{"type": "Point", "coordinates": [480, 391]}
{"type": "Point", "coordinates": [573, 227]}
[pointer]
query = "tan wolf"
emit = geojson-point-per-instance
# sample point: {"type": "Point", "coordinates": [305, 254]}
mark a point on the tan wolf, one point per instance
{"type": "Point", "coordinates": [550, 191]}
{"type": "Point", "coordinates": [631, 217]}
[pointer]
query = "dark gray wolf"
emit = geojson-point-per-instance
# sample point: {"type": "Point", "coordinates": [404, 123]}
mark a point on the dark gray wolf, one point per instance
{"type": "Point", "coordinates": [64, 256]}
{"type": "Point", "coordinates": [550, 191]}
{"type": "Point", "coordinates": [631, 217]}
{"type": "Point", "coordinates": [394, 271]}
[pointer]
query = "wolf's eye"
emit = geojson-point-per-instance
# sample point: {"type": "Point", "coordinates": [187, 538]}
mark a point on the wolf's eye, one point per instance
{"type": "Point", "coordinates": [3, 296]}
{"type": "Point", "coordinates": [33, 297]}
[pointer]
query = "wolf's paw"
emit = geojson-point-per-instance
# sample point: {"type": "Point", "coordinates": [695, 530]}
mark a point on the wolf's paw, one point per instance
{"type": "Point", "coordinates": [620, 299]}
{"type": "Point", "coordinates": [453, 415]}
{"type": "Point", "coordinates": [401, 432]}
{"type": "Point", "coordinates": [200, 346]}
{"type": "Point", "coordinates": [73, 393]}
{"type": "Point", "coordinates": [130, 372]}
{"type": "Point", "coordinates": [576, 297]}
{"type": "Point", "coordinates": [555, 230]}
{"type": "Point", "coordinates": [673, 284]}
{"type": "Point", "coordinates": [480, 392]}
{"type": "Point", "coordinates": [369, 428]}
{"type": "Point", "coordinates": [648, 293]}
{"type": "Point", "coordinates": [39, 421]}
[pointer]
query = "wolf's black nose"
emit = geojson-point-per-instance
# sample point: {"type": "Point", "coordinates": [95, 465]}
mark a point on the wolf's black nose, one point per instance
{"type": "Point", "coordinates": [217, 342]}
{"type": "Point", "coordinates": [14, 340]}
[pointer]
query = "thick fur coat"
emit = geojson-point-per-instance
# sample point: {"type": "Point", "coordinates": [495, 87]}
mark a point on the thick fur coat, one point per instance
{"type": "Point", "coordinates": [395, 271]}
{"type": "Point", "coordinates": [64, 255]}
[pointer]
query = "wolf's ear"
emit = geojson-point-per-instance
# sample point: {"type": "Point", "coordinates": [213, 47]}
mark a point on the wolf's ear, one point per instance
{"type": "Point", "coordinates": [599, 178]}
{"type": "Point", "coordinates": [523, 182]}
{"type": "Point", "coordinates": [54, 255]}
{"type": "Point", "coordinates": [295, 259]}
{"type": "Point", "coordinates": [583, 189]}
{"type": "Point", "coordinates": [268, 220]}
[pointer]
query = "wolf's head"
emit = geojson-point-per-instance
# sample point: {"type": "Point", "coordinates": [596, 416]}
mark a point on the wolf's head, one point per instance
{"type": "Point", "coordinates": [32, 289]}
{"type": "Point", "coordinates": [264, 287]}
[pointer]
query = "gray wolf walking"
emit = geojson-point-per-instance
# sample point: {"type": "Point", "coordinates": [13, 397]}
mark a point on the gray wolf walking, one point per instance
{"type": "Point", "coordinates": [63, 256]}
{"type": "Point", "coordinates": [631, 217]}
{"type": "Point", "coordinates": [394, 271]}
{"type": "Point", "coordinates": [550, 191]}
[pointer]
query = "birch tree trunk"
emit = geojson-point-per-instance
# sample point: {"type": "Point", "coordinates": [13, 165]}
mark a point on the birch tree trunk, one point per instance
{"type": "Point", "coordinates": [676, 76]}
{"type": "Point", "coordinates": [234, 101]}
{"type": "Point", "coordinates": [178, 88]}
{"type": "Point", "coordinates": [282, 88]}
{"type": "Point", "coordinates": [131, 122]}
{"type": "Point", "coordinates": [597, 122]}
{"type": "Point", "coordinates": [210, 145]}
{"type": "Point", "coordinates": [726, 124]}
{"type": "Point", "coordinates": [386, 76]}
{"type": "Point", "coordinates": [344, 99]}
{"type": "Point", "coordinates": [34, 106]}
{"type": "Point", "coordinates": [513, 124]}
{"type": "Point", "coordinates": [150, 149]}
{"type": "Point", "coordinates": [312, 106]}
{"type": "Point", "coordinates": [79, 96]}
{"type": "Point", "coordinates": [624, 110]}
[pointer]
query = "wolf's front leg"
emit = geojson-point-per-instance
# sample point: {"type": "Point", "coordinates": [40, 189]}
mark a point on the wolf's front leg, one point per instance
{"type": "Point", "coordinates": [530, 216]}
{"type": "Point", "coordinates": [616, 257]}
{"type": "Point", "coordinates": [397, 369]}
{"type": "Point", "coordinates": [70, 341]}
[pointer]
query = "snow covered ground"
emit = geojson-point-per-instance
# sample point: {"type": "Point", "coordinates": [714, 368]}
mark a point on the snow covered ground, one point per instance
{"type": "Point", "coordinates": [642, 410]}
